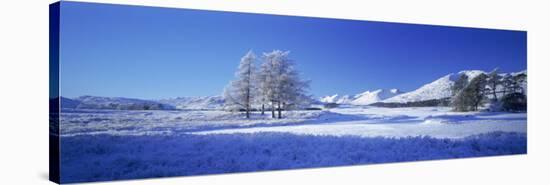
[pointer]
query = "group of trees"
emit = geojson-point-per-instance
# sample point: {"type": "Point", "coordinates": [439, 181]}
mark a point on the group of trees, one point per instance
{"type": "Point", "coordinates": [275, 85]}
{"type": "Point", "coordinates": [503, 90]}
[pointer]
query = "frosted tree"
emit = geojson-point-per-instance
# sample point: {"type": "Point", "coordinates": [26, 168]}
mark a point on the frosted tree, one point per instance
{"type": "Point", "coordinates": [240, 93]}
{"type": "Point", "coordinates": [476, 90]}
{"type": "Point", "coordinates": [515, 98]}
{"type": "Point", "coordinates": [266, 80]}
{"type": "Point", "coordinates": [493, 82]}
{"type": "Point", "coordinates": [280, 83]}
{"type": "Point", "coordinates": [458, 100]}
{"type": "Point", "coordinates": [518, 80]}
{"type": "Point", "coordinates": [459, 84]}
{"type": "Point", "coordinates": [507, 82]}
{"type": "Point", "coordinates": [471, 97]}
{"type": "Point", "coordinates": [512, 83]}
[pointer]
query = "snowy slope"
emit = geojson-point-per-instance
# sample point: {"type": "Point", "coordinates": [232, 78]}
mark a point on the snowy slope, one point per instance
{"type": "Point", "coordinates": [196, 103]}
{"type": "Point", "coordinates": [119, 103]}
{"type": "Point", "coordinates": [69, 103]}
{"type": "Point", "coordinates": [345, 99]}
{"type": "Point", "coordinates": [369, 97]}
{"type": "Point", "coordinates": [329, 99]}
{"type": "Point", "coordinates": [365, 98]}
{"type": "Point", "coordinates": [440, 88]}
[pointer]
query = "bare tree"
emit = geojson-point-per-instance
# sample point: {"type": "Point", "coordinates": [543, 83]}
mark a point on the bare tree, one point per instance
{"type": "Point", "coordinates": [471, 97]}
{"type": "Point", "coordinates": [280, 84]}
{"type": "Point", "coordinates": [266, 81]}
{"type": "Point", "coordinates": [240, 93]}
{"type": "Point", "coordinates": [493, 82]}
{"type": "Point", "coordinates": [459, 84]}
{"type": "Point", "coordinates": [459, 99]}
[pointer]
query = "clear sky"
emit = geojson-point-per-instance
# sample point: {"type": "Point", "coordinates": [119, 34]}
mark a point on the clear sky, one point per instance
{"type": "Point", "coordinates": [146, 52]}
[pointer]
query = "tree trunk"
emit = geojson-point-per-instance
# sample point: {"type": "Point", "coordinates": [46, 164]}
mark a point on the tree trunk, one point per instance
{"type": "Point", "coordinates": [279, 109]}
{"type": "Point", "coordinates": [247, 112]}
{"type": "Point", "coordinates": [272, 109]}
{"type": "Point", "coordinates": [248, 104]}
{"type": "Point", "coordinates": [495, 92]}
{"type": "Point", "coordinates": [263, 108]}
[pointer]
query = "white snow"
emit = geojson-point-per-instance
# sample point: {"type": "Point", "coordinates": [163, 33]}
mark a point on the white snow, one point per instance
{"type": "Point", "coordinates": [403, 122]}
{"type": "Point", "coordinates": [437, 122]}
{"type": "Point", "coordinates": [142, 122]}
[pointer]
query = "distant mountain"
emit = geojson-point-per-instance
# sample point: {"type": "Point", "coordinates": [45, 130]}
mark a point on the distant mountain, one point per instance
{"type": "Point", "coordinates": [195, 103]}
{"type": "Point", "coordinates": [119, 103]}
{"type": "Point", "coordinates": [440, 88]}
{"type": "Point", "coordinates": [114, 103]}
{"type": "Point", "coordinates": [370, 97]}
{"type": "Point", "coordinates": [365, 98]}
{"type": "Point", "coordinates": [69, 103]}
{"type": "Point", "coordinates": [336, 99]}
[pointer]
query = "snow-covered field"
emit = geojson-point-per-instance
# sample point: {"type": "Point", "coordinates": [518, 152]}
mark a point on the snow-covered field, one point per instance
{"type": "Point", "coordinates": [438, 122]}
{"type": "Point", "coordinates": [120, 144]}
{"type": "Point", "coordinates": [402, 122]}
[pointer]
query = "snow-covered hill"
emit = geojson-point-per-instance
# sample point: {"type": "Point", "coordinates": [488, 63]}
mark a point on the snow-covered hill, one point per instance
{"type": "Point", "coordinates": [117, 103]}
{"type": "Point", "coordinates": [441, 88]}
{"type": "Point", "coordinates": [369, 97]}
{"type": "Point", "coordinates": [438, 89]}
{"type": "Point", "coordinates": [196, 103]}
{"type": "Point", "coordinates": [69, 103]}
{"type": "Point", "coordinates": [365, 98]}
{"type": "Point", "coordinates": [345, 99]}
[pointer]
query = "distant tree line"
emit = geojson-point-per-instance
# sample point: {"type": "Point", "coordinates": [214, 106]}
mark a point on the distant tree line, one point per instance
{"type": "Point", "coordinates": [275, 86]}
{"type": "Point", "coordinates": [503, 92]}
{"type": "Point", "coordinates": [423, 103]}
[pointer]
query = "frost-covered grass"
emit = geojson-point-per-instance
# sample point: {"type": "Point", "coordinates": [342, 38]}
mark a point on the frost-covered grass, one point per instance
{"type": "Point", "coordinates": [162, 122]}
{"type": "Point", "coordinates": [358, 121]}
{"type": "Point", "coordinates": [112, 144]}
{"type": "Point", "coordinates": [109, 157]}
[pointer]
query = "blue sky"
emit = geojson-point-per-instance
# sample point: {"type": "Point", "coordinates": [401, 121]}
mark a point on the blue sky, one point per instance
{"type": "Point", "coordinates": [146, 52]}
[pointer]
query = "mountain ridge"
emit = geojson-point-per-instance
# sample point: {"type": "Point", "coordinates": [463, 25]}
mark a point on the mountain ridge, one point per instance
{"type": "Point", "coordinates": [437, 89]}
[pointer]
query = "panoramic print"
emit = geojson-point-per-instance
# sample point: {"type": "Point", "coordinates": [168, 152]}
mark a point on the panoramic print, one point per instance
{"type": "Point", "coordinates": [156, 92]}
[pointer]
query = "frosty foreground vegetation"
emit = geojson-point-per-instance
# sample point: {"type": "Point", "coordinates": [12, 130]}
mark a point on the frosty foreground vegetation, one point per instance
{"type": "Point", "coordinates": [89, 158]}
